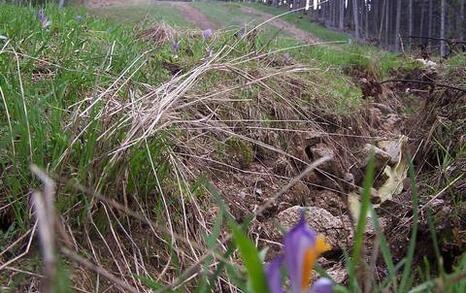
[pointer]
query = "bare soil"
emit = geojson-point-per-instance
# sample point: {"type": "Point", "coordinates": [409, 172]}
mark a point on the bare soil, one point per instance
{"type": "Point", "coordinates": [191, 14]}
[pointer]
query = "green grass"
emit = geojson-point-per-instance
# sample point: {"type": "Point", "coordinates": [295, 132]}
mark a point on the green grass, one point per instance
{"type": "Point", "coordinates": [144, 14]}
{"type": "Point", "coordinates": [52, 71]}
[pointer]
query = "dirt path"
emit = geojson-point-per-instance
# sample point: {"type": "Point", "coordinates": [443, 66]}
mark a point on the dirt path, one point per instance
{"type": "Point", "coordinates": [191, 14]}
{"type": "Point", "coordinates": [283, 25]}
{"type": "Point", "coordinates": [107, 3]}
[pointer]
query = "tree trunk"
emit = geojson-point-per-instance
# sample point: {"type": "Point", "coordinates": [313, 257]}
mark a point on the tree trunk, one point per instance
{"type": "Point", "coordinates": [410, 20]}
{"type": "Point", "coordinates": [462, 27]}
{"type": "Point", "coordinates": [387, 22]}
{"type": "Point", "coordinates": [431, 21]}
{"type": "Point", "coordinates": [397, 25]}
{"type": "Point", "coordinates": [423, 12]}
{"type": "Point", "coordinates": [341, 7]}
{"type": "Point", "coordinates": [382, 18]}
{"type": "Point", "coordinates": [366, 19]}
{"type": "Point", "coordinates": [443, 13]}
{"type": "Point", "coordinates": [356, 19]}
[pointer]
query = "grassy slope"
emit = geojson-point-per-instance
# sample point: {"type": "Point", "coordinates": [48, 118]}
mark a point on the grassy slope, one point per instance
{"type": "Point", "coordinates": [75, 60]}
{"type": "Point", "coordinates": [48, 77]}
{"type": "Point", "coordinates": [61, 70]}
{"type": "Point", "coordinates": [58, 69]}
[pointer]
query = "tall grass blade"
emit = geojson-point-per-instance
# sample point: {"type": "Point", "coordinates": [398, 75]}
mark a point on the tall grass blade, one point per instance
{"type": "Point", "coordinates": [406, 276]}
{"type": "Point", "coordinates": [250, 256]}
{"type": "Point", "coordinates": [361, 225]}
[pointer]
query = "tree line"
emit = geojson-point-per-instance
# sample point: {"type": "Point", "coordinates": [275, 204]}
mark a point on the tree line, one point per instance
{"type": "Point", "coordinates": [432, 25]}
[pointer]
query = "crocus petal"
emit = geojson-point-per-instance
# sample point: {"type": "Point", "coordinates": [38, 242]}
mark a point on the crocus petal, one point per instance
{"type": "Point", "coordinates": [41, 14]}
{"type": "Point", "coordinates": [312, 254]}
{"type": "Point", "coordinates": [273, 275]}
{"type": "Point", "coordinates": [44, 22]}
{"type": "Point", "coordinates": [176, 47]}
{"type": "Point", "coordinates": [297, 242]}
{"type": "Point", "coordinates": [323, 285]}
{"type": "Point", "coordinates": [206, 34]}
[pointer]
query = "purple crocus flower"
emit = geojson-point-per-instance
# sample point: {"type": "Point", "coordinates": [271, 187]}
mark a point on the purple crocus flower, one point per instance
{"type": "Point", "coordinates": [302, 249]}
{"type": "Point", "coordinates": [206, 34]}
{"type": "Point", "coordinates": [176, 47]}
{"type": "Point", "coordinates": [44, 22]}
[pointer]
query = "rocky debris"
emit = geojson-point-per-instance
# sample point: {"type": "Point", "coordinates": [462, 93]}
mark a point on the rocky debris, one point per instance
{"type": "Point", "coordinates": [321, 150]}
{"type": "Point", "coordinates": [283, 167]}
{"type": "Point", "coordinates": [338, 272]}
{"type": "Point", "coordinates": [392, 148]}
{"type": "Point", "coordinates": [381, 157]}
{"type": "Point", "coordinates": [370, 87]}
{"type": "Point", "coordinates": [298, 193]}
{"type": "Point", "coordinates": [391, 124]}
{"type": "Point", "coordinates": [328, 199]}
{"type": "Point", "coordinates": [337, 230]}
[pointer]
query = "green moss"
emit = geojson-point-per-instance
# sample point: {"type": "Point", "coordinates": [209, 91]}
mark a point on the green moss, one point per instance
{"type": "Point", "coordinates": [236, 150]}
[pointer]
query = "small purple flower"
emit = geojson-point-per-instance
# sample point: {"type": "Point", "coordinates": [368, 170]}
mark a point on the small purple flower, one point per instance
{"type": "Point", "coordinates": [207, 34]}
{"type": "Point", "coordinates": [79, 18]}
{"type": "Point", "coordinates": [323, 285]}
{"type": "Point", "coordinates": [44, 22]}
{"type": "Point", "coordinates": [302, 249]}
{"type": "Point", "coordinates": [176, 47]}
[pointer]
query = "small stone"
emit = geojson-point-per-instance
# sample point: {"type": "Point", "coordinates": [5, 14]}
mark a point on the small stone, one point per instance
{"type": "Point", "coordinates": [337, 233]}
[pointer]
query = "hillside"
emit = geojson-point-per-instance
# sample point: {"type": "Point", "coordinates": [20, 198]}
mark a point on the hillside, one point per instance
{"type": "Point", "coordinates": [163, 146]}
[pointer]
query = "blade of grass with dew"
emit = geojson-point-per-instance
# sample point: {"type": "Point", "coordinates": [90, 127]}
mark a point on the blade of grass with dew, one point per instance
{"type": "Point", "coordinates": [384, 248]}
{"type": "Point", "coordinates": [435, 243]}
{"type": "Point", "coordinates": [232, 270]}
{"type": "Point", "coordinates": [250, 256]}
{"type": "Point", "coordinates": [361, 225]}
{"type": "Point", "coordinates": [211, 241]}
{"type": "Point", "coordinates": [412, 242]}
